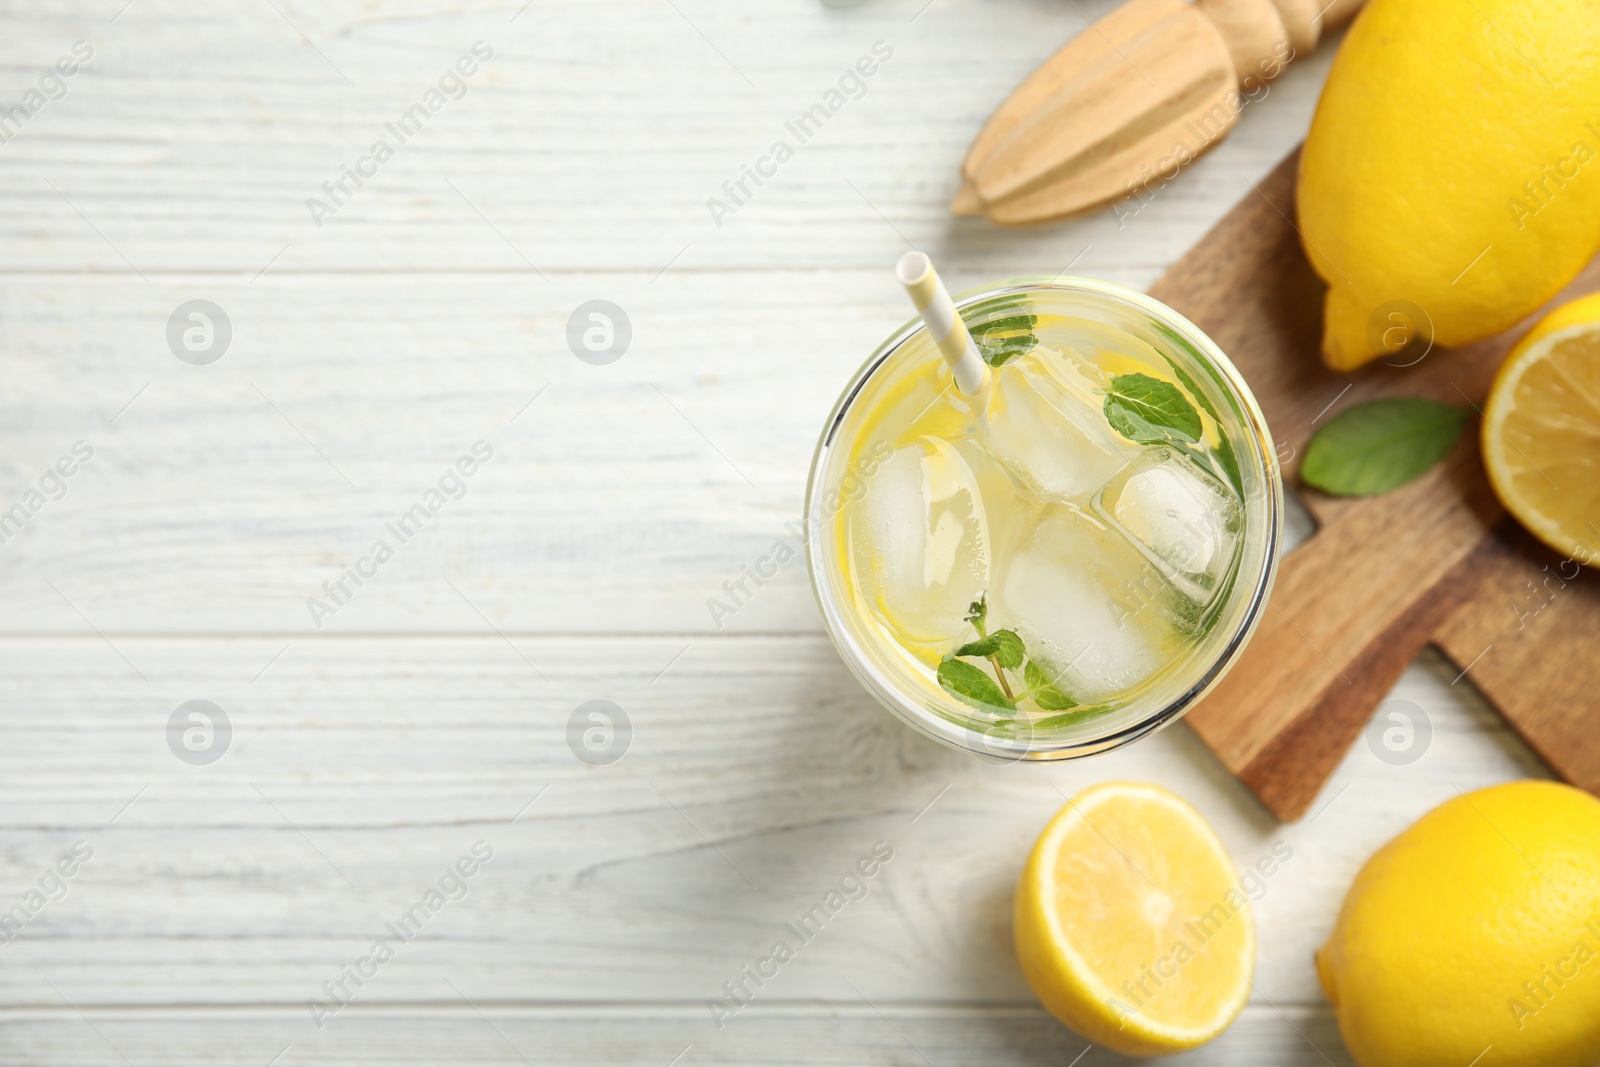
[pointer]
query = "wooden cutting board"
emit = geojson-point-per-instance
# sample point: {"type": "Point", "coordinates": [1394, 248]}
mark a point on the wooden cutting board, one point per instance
{"type": "Point", "coordinates": [1436, 561]}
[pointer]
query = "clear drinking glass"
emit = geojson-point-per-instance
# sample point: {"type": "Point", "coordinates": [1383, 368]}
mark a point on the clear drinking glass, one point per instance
{"type": "Point", "coordinates": [908, 685]}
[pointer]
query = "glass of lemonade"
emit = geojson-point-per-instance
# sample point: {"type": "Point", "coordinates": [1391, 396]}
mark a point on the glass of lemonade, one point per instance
{"type": "Point", "coordinates": [1064, 561]}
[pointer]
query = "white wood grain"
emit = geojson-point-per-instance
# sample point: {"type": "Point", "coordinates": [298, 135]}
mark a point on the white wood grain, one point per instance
{"type": "Point", "coordinates": [593, 139]}
{"type": "Point", "coordinates": [759, 772]}
{"type": "Point", "coordinates": [843, 1035]}
{"type": "Point", "coordinates": [620, 497]}
{"type": "Point", "coordinates": [371, 352]}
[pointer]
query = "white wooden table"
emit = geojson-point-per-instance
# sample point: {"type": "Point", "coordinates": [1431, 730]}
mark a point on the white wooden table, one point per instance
{"type": "Point", "coordinates": [429, 712]}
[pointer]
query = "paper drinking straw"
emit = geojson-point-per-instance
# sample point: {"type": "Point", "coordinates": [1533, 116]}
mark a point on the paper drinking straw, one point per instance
{"type": "Point", "coordinates": [938, 311]}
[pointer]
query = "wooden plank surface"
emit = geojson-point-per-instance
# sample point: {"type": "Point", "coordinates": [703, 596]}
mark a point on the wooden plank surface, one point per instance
{"type": "Point", "coordinates": [430, 711]}
{"type": "Point", "coordinates": [1538, 617]}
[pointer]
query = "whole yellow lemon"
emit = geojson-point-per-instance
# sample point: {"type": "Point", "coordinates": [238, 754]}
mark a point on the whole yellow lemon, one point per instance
{"type": "Point", "coordinates": [1474, 936]}
{"type": "Point", "coordinates": [1451, 178]}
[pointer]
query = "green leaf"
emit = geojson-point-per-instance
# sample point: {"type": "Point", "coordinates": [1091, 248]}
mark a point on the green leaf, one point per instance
{"type": "Point", "coordinates": [1229, 461]}
{"type": "Point", "coordinates": [1194, 390]}
{"type": "Point", "coordinates": [1004, 645]}
{"type": "Point", "coordinates": [1187, 616]}
{"type": "Point", "coordinates": [1380, 445]}
{"type": "Point", "coordinates": [1000, 340]}
{"type": "Point", "coordinates": [982, 647]}
{"type": "Point", "coordinates": [1052, 699]}
{"type": "Point", "coordinates": [1013, 324]}
{"type": "Point", "coordinates": [968, 683]}
{"type": "Point", "coordinates": [1150, 411]}
{"type": "Point", "coordinates": [1011, 651]}
{"type": "Point", "coordinates": [978, 614]}
{"type": "Point", "coordinates": [1225, 454]}
{"type": "Point", "coordinates": [997, 355]}
{"type": "Point", "coordinates": [1043, 691]}
{"type": "Point", "coordinates": [1178, 341]}
{"type": "Point", "coordinates": [1070, 717]}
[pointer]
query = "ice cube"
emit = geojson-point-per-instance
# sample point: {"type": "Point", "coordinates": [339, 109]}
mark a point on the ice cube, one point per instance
{"type": "Point", "coordinates": [1090, 608]}
{"type": "Point", "coordinates": [1049, 433]}
{"type": "Point", "coordinates": [1008, 509]}
{"type": "Point", "coordinates": [920, 542]}
{"type": "Point", "coordinates": [1181, 518]}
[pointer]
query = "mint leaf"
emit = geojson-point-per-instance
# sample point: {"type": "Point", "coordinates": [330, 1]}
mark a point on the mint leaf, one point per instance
{"type": "Point", "coordinates": [1225, 454]}
{"type": "Point", "coordinates": [982, 647]}
{"type": "Point", "coordinates": [1011, 651]}
{"type": "Point", "coordinates": [1043, 691]}
{"type": "Point", "coordinates": [1052, 699]}
{"type": "Point", "coordinates": [1178, 341]}
{"type": "Point", "coordinates": [1013, 324]}
{"type": "Point", "coordinates": [1000, 340]}
{"type": "Point", "coordinates": [968, 683]}
{"type": "Point", "coordinates": [978, 614]}
{"type": "Point", "coordinates": [1229, 461]}
{"type": "Point", "coordinates": [1034, 677]}
{"type": "Point", "coordinates": [1003, 645]}
{"type": "Point", "coordinates": [1150, 411]}
{"type": "Point", "coordinates": [997, 354]}
{"type": "Point", "coordinates": [1194, 390]}
{"type": "Point", "coordinates": [1070, 717]}
{"type": "Point", "coordinates": [1380, 445]}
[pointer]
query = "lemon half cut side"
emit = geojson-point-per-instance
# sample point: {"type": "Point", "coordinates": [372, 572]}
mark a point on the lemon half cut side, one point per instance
{"type": "Point", "coordinates": [1130, 923]}
{"type": "Point", "coordinates": [1541, 431]}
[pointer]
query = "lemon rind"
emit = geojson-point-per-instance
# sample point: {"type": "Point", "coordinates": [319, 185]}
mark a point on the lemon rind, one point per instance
{"type": "Point", "coordinates": [1100, 995]}
{"type": "Point", "coordinates": [1535, 348]}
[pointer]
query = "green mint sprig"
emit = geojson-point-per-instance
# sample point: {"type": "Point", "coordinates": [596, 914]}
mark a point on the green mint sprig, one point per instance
{"type": "Point", "coordinates": [1005, 652]}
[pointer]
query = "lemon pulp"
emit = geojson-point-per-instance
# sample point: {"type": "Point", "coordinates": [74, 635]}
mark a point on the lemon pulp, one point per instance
{"type": "Point", "coordinates": [1130, 924]}
{"type": "Point", "coordinates": [1541, 432]}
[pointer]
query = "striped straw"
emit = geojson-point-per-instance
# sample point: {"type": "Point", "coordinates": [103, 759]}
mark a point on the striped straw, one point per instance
{"type": "Point", "coordinates": [938, 311]}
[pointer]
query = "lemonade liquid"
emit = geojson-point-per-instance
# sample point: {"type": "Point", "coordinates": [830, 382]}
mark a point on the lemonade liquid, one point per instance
{"type": "Point", "coordinates": [1052, 548]}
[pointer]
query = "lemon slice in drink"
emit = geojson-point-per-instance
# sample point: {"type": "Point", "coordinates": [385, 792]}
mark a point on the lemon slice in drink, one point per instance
{"type": "Point", "coordinates": [1130, 923]}
{"type": "Point", "coordinates": [1541, 430]}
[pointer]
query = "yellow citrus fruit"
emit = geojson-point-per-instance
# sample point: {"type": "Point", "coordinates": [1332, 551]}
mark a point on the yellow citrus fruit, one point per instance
{"type": "Point", "coordinates": [1541, 430]}
{"type": "Point", "coordinates": [1452, 171]}
{"type": "Point", "coordinates": [1474, 936]}
{"type": "Point", "coordinates": [1130, 923]}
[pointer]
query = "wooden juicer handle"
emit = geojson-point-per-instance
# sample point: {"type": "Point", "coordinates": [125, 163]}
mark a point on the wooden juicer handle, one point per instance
{"type": "Point", "coordinates": [1130, 101]}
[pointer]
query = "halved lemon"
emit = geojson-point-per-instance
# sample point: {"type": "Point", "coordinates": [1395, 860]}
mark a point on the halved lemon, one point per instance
{"type": "Point", "coordinates": [1131, 925]}
{"type": "Point", "coordinates": [1541, 430]}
